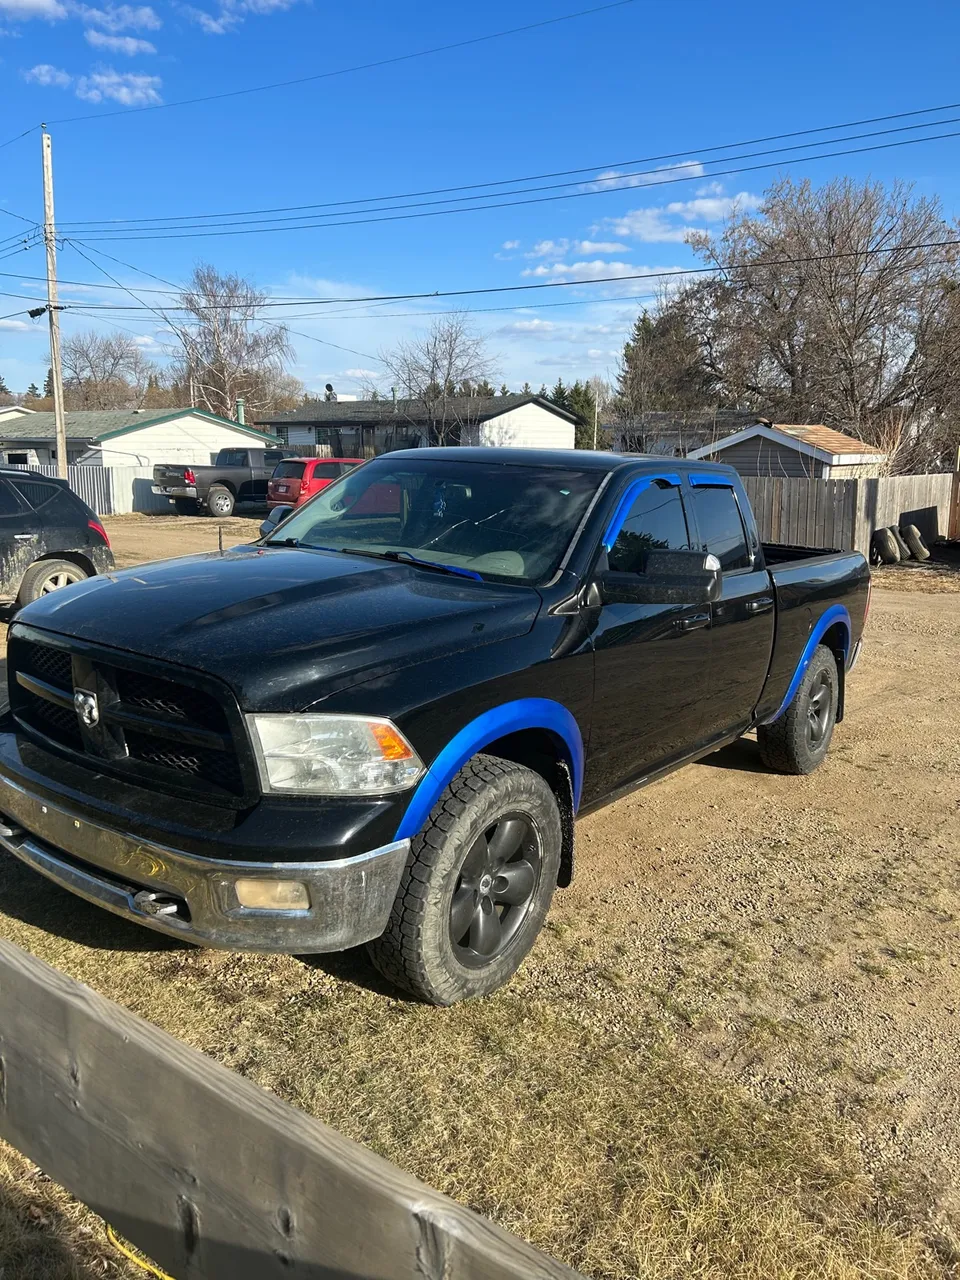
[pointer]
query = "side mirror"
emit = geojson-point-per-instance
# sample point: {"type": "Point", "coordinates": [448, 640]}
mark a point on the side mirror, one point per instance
{"type": "Point", "coordinates": [670, 577]}
{"type": "Point", "coordinates": [273, 519]}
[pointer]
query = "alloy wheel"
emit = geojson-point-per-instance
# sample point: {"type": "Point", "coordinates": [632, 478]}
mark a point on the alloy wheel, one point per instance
{"type": "Point", "coordinates": [62, 578]}
{"type": "Point", "coordinates": [497, 883]}
{"type": "Point", "coordinates": [819, 708]}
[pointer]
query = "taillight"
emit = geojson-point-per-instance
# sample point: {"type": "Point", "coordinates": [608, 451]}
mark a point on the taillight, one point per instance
{"type": "Point", "coordinates": [98, 528]}
{"type": "Point", "coordinates": [189, 477]}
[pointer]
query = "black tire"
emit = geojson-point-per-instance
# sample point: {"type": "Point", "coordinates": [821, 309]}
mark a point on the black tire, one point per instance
{"type": "Point", "coordinates": [452, 903]}
{"type": "Point", "coordinates": [220, 501]}
{"type": "Point", "coordinates": [885, 546]}
{"type": "Point", "coordinates": [49, 575]}
{"type": "Point", "coordinates": [911, 536]}
{"type": "Point", "coordinates": [901, 545]}
{"type": "Point", "coordinates": [799, 740]}
{"type": "Point", "coordinates": [186, 506]}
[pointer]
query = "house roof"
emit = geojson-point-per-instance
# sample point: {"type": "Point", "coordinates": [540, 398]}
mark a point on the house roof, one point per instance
{"type": "Point", "coordinates": [378, 413]}
{"type": "Point", "coordinates": [107, 424]}
{"type": "Point", "coordinates": [829, 446]}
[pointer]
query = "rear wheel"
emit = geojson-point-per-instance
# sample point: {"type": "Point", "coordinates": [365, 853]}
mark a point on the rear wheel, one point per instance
{"type": "Point", "coordinates": [185, 506]}
{"type": "Point", "coordinates": [799, 740]}
{"type": "Point", "coordinates": [220, 501]}
{"type": "Point", "coordinates": [477, 885]}
{"type": "Point", "coordinates": [49, 575]}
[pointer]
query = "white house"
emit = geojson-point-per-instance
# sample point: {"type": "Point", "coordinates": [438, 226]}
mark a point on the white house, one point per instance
{"type": "Point", "coordinates": [361, 428]}
{"type": "Point", "coordinates": [125, 437]}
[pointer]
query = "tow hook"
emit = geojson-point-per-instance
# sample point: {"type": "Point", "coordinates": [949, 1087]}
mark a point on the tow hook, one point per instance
{"type": "Point", "coordinates": [155, 904]}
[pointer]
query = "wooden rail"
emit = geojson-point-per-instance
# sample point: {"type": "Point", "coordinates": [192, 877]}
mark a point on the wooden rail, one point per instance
{"type": "Point", "coordinates": [208, 1174]}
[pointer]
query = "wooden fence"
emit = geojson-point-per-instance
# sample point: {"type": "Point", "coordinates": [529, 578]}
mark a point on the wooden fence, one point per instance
{"type": "Point", "coordinates": [844, 513]}
{"type": "Point", "coordinates": [208, 1174]}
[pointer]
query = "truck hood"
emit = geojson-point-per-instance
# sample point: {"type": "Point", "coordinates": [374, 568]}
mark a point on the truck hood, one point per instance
{"type": "Point", "coordinates": [285, 627]}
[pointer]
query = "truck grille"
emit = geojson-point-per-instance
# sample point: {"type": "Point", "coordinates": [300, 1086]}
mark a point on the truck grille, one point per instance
{"type": "Point", "coordinates": [149, 728]}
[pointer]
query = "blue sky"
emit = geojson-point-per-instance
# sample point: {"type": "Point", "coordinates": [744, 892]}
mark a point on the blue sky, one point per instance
{"type": "Point", "coordinates": [630, 82]}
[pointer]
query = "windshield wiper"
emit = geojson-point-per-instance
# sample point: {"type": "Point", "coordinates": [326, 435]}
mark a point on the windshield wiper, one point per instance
{"type": "Point", "coordinates": [405, 557]}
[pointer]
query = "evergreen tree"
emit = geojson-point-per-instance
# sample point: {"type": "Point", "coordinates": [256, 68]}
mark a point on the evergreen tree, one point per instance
{"type": "Point", "coordinates": [4, 389]}
{"type": "Point", "coordinates": [526, 389]}
{"type": "Point", "coordinates": [484, 390]}
{"type": "Point", "coordinates": [504, 389]}
{"type": "Point", "coordinates": [543, 391]}
{"type": "Point", "coordinates": [48, 383]}
{"type": "Point", "coordinates": [33, 391]}
{"type": "Point", "coordinates": [560, 395]}
{"type": "Point", "coordinates": [581, 400]}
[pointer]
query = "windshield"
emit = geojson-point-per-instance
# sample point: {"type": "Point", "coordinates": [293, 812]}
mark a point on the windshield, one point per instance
{"type": "Point", "coordinates": [496, 520]}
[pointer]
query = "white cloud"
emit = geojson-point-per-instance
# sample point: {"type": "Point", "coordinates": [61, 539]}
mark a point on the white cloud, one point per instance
{"type": "Point", "coordinates": [22, 10]}
{"type": "Point", "coordinates": [125, 87]}
{"type": "Point", "coordinates": [129, 45]}
{"type": "Point", "coordinates": [581, 270]}
{"type": "Point", "coordinates": [15, 326]}
{"type": "Point", "coordinates": [231, 13]}
{"type": "Point", "coordinates": [527, 329]}
{"type": "Point", "coordinates": [560, 248]}
{"type": "Point", "coordinates": [510, 244]}
{"type": "Point", "coordinates": [615, 179]}
{"type": "Point", "coordinates": [360, 374]}
{"type": "Point", "coordinates": [710, 189]}
{"type": "Point", "coordinates": [119, 17]}
{"type": "Point", "coordinates": [43, 73]}
{"type": "Point", "coordinates": [714, 207]}
{"type": "Point", "coordinates": [671, 223]}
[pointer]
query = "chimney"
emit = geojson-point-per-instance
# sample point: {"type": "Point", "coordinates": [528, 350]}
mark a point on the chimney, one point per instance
{"type": "Point", "coordinates": [241, 413]}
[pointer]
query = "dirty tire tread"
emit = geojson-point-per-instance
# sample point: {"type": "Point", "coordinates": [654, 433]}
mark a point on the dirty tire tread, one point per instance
{"type": "Point", "coordinates": [901, 545]}
{"type": "Point", "coordinates": [885, 546]}
{"type": "Point", "coordinates": [398, 952]}
{"type": "Point", "coordinates": [912, 537]}
{"type": "Point", "coordinates": [37, 572]}
{"type": "Point", "coordinates": [783, 745]}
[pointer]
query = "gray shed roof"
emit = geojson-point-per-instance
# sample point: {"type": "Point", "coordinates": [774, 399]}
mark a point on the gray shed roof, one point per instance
{"type": "Point", "coordinates": [377, 413]}
{"type": "Point", "coordinates": [104, 424]}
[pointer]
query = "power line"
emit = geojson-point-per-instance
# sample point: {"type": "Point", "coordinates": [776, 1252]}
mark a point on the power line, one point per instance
{"type": "Point", "coordinates": [107, 237]}
{"type": "Point", "coordinates": [10, 141]}
{"type": "Point", "coordinates": [562, 173]}
{"type": "Point", "coordinates": [343, 71]}
{"type": "Point", "coordinates": [667, 274]}
{"type": "Point", "coordinates": [10, 214]}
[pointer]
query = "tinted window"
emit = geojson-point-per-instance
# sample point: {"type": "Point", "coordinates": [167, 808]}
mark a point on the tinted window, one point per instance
{"type": "Point", "coordinates": [326, 470]}
{"type": "Point", "coordinates": [9, 506]}
{"type": "Point", "coordinates": [499, 520]}
{"type": "Point", "coordinates": [289, 471]}
{"type": "Point", "coordinates": [721, 527]}
{"type": "Point", "coordinates": [232, 458]}
{"type": "Point", "coordinates": [656, 521]}
{"type": "Point", "coordinates": [36, 492]}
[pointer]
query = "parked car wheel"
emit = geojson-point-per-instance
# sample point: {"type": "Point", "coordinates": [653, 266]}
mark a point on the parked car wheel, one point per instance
{"type": "Point", "coordinates": [186, 506]}
{"type": "Point", "coordinates": [799, 740]}
{"type": "Point", "coordinates": [885, 546]}
{"type": "Point", "coordinates": [477, 885]}
{"type": "Point", "coordinates": [220, 501]}
{"type": "Point", "coordinates": [49, 575]}
{"type": "Point", "coordinates": [918, 548]}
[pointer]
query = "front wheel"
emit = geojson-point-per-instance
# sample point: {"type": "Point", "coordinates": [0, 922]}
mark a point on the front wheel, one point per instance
{"type": "Point", "coordinates": [477, 885]}
{"type": "Point", "coordinates": [799, 740]}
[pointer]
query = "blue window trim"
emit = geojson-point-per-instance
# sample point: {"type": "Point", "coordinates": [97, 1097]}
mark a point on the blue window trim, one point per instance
{"type": "Point", "coordinates": [524, 713]}
{"type": "Point", "coordinates": [626, 502]}
{"type": "Point", "coordinates": [836, 613]}
{"type": "Point", "coordinates": [712, 479]}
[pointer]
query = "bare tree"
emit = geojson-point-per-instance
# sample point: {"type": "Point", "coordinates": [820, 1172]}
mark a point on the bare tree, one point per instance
{"type": "Point", "coordinates": [225, 348]}
{"type": "Point", "coordinates": [103, 371]}
{"type": "Point", "coordinates": [435, 368]}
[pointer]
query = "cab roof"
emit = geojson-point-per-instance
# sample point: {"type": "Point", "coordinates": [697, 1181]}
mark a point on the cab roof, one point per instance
{"type": "Point", "coordinates": [581, 459]}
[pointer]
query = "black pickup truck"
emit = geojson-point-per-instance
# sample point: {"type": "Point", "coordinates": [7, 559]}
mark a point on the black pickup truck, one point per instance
{"type": "Point", "coordinates": [378, 723]}
{"type": "Point", "coordinates": [238, 475]}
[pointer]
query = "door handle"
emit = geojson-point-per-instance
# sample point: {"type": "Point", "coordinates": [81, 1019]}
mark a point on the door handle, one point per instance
{"type": "Point", "coordinates": [24, 537]}
{"type": "Point", "coordinates": [693, 623]}
{"type": "Point", "coordinates": [763, 605]}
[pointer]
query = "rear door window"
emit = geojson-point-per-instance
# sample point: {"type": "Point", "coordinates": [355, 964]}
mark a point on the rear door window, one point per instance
{"type": "Point", "coordinates": [36, 492]}
{"type": "Point", "coordinates": [232, 458]}
{"type": "Point", "coordinates": [326, 470]}
{"type": "Point", "coordinates": [656, 522]}
{"type": "Point", "coordinates": [721, 527]}
{"type": "Point", "coordinates": [9, 506]}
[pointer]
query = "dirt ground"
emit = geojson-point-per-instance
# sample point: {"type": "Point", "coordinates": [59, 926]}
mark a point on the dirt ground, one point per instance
{"type": "Point", "coordinates": [734, 1052]}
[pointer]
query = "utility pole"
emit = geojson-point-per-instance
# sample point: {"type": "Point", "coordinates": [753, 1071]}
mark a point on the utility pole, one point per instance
{"type": "Point", "coordinates": [596, 411]}
{"type": "Point", "coordinates": [53, 307]}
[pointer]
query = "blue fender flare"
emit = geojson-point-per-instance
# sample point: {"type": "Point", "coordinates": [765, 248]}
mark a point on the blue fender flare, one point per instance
{"type": "Point", "coordinates": [836, 613]}
{"type": "Point", "coordinates": [524, 713]}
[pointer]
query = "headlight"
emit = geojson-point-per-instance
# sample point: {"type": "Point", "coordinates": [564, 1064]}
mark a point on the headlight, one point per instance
{"type": "Point", "coordinates": [332, 755]}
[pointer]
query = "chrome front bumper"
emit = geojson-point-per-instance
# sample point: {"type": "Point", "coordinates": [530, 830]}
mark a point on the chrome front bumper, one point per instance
{"type": "Point", "coordinates": [195, 898]}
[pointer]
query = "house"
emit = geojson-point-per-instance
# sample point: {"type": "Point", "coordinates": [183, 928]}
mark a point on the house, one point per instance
{"type": "Point", "coordinates": [10, 411]}
{"type": "Point", "coordinates": [364, 428]}
{"type": "Point", "coordinates": [674, 434]}
{"type": "Point", "coordinates": [779, 449]}
{"type": "Point", "coordinates": [125, 437]}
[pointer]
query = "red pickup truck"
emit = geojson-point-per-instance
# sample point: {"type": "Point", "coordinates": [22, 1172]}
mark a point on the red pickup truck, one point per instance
{"type": "Point", "coordinates": [296, 480]}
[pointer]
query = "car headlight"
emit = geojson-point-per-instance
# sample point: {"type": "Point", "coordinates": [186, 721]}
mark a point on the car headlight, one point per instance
{"type": "Point", "coordinates": [332, 755]}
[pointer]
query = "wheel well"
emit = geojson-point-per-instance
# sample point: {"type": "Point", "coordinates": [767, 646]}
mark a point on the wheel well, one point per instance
{"type": "Point", "coordinates": [75, 557]}
{"type": "Point", "coordinates": [542, 751]}
{"type": "Point", "coordinates": [837, 640]}
{"type": "Point", "coordinates": [224, 484]}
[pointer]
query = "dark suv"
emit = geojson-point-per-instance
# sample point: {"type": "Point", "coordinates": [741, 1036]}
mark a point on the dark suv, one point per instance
{"type": "Point", "coordinates": [49, 538]}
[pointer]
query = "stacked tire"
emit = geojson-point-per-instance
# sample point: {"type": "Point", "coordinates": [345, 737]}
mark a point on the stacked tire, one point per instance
{"type": "Point", "coordinates": [891, 545]}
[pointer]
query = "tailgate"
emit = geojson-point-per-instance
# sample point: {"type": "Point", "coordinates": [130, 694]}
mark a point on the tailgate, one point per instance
{"type": "Point", "coordinates": [168, 473]}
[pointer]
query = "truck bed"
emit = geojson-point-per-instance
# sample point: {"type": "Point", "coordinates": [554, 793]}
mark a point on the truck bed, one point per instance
{"type": "Point", "coordinates": [782, 553]}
